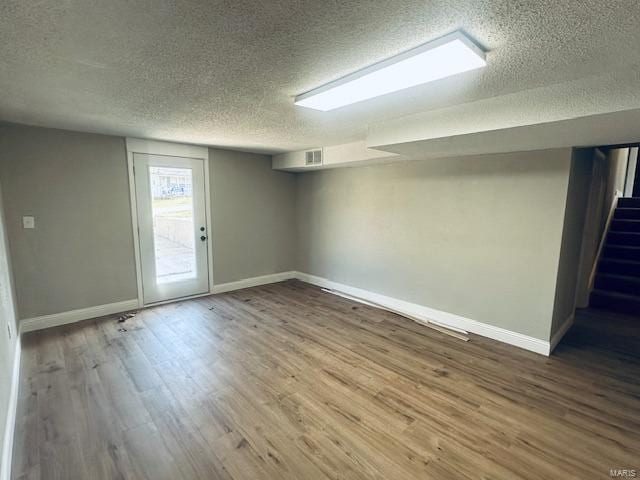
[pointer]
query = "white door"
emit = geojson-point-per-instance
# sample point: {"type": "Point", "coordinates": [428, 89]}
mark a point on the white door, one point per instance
{"type": "Point", "coordinates": [171, 210]}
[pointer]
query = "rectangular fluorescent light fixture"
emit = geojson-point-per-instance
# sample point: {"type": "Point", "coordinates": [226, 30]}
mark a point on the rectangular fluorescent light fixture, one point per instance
{"type": "Point", "coordinates": [446, 56]}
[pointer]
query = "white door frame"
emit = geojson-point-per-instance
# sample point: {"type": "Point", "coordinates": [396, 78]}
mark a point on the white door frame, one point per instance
{"type": "Point", "coordinates": [154, 147]}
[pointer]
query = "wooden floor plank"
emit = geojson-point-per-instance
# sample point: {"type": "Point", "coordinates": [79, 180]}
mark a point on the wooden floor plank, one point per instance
{"type": "Point", "coordinates": [286, 381]}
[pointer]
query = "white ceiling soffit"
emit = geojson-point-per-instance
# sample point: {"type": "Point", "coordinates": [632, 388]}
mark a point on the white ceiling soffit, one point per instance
{"type": "Point", "coordinates": [577, 113]}
{"type": "Point", "coordinates": [615, 128]}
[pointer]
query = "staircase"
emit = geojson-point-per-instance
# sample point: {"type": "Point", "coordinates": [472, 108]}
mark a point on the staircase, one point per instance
{"type": "Point", "coordinates": [617, 282]}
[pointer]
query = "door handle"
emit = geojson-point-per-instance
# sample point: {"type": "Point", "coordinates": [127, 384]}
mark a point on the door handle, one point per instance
{"type": "Point", "coordinates": [203, 238]}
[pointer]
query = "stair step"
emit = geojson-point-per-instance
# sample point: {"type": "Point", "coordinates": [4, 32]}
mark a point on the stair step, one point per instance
{"type": "Point", "coordinates": [629, 202]}
{"type": "Point", "coordinates": [621, 252]}
{"type": "Point", "coordinates": [618, 283]}
{"type": "Point", "coordinates": [620, 302]}
{"type": "Point", "coordinates": [632, 213]}
{"type": "Point", "coordinates": [619, 267]}
{"type": "Point", "coordinates": [623, 238]}
{"type": "Point", "coordinates": [625, 225]}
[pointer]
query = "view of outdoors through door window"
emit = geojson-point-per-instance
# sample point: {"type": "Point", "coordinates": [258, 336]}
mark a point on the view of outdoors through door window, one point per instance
{"type": "Point", "coordinates": [173, 228]}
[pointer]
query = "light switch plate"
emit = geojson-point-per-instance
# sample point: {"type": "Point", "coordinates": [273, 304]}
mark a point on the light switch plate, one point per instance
{"type": "Point", "coordinates": [28, 222]}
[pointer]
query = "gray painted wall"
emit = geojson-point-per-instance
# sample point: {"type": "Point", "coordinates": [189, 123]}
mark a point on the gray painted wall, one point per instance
{"type": "Point", "coordinates": [253, 216]}
{"type": "Point", "coordinates": [81, 252]}
{"type": "Point", "coordinates": [577, 202]}
{"type": "Point", "coordinates": [7, 317]}
{"type": "Point", "coordinates": [75, 184]}
{"type": "Point", "coordinates": [474, 236]}
{"type": "Point", "coordinates": [618, 159]}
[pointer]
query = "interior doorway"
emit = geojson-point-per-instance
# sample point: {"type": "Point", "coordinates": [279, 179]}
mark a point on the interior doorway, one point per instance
{"type": "Point", "coordinates": [609, 277]}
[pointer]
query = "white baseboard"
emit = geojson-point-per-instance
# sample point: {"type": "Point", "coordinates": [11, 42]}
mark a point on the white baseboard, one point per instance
{"type": "Point", "coordinates": [419, 311]}
{"type": "Point", "coordinates": [564, 328]}
{"type": "Point", "coordinates": [56, 319]}
{"type": "Point", "coordinates": [7, 446]}
{"type": "Point", "coordinates": [253, 282]}
{"type": "Point", "coordinates": [63, 318]}
{"type": "Point", "coordinates": [448, 319]}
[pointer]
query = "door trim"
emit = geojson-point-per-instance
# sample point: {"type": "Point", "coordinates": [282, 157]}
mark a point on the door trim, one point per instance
{"type": "Point", "coordinates": [154, 147]}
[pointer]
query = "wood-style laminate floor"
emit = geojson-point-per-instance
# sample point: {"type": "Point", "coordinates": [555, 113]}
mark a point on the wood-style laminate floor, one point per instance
{"type": "Point", "coordinates": [286, 381]}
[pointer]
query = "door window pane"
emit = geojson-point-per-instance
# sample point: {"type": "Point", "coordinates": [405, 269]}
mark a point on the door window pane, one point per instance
{"type": "Point", "coordinates": [173, 228]}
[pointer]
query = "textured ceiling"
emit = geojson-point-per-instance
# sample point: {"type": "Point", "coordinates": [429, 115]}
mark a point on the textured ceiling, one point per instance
{"type": "Point", "coordinates": [225, 72]}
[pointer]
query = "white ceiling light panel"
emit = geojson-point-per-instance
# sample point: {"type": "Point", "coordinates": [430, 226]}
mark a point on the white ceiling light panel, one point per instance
{"type": "Point", "coordinates": [446, 56]}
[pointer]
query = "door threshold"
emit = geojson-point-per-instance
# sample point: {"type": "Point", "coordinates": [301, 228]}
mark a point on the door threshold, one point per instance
{"type": "Point", "coordinates": [174, 300]}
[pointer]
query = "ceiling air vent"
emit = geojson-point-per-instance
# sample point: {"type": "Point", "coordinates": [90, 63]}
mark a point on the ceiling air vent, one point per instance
{"type": "Point", "coordinates": [313, 157]}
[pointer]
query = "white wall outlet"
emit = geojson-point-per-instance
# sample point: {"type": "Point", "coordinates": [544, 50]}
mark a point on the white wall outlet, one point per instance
{"type": "Point", "coordinates": [28, 222]}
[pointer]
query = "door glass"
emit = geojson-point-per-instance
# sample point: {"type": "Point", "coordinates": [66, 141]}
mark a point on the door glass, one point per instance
{"type": "Point", "coordinates": [173, 228]}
